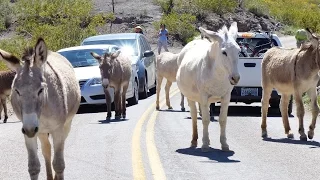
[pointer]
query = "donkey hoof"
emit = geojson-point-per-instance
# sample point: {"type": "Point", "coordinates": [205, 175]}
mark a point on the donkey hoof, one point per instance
{"type": "Point", "coordinates": [108, 118]}
{"type": "Point", "coordinates": [194, 144]}
{"type": "Point", "coordinates": [170, 107]}
{"type": "Point", "coordinates": [183, 109]}
{"type": "Point", "coordinates": [264, 134]}
{"type": "Point", "coordinates": [303, 138]}
{"type": "Point", "coordinates": [117, 117]}
{"type": "Point", "coordinates": [157, 108]}
{"type": "Point", "coordinates": [290, 135]}
{"type": "Point", "coordinates": [310, 134]}
{"type": "Point", "coordinates": [5, 121]}
{"type": "Point", "coordinates": [225, 148]}
{"type": "Point", "coordinates": [123, 116]}
{"type": "Point", "coordinates": [205, 148]}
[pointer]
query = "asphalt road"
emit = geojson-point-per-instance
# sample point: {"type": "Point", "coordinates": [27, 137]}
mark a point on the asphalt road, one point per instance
{"type": "Point", "coordinates": [155, 145]}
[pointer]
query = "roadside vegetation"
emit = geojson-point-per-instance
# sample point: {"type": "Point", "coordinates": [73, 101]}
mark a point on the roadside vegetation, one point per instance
{"type": "Point", "coordinates": [293, 13]}
{"type": "Point", "coordinates": [181, 15]}
{"type": "Point", "coordinates": [61, 23]}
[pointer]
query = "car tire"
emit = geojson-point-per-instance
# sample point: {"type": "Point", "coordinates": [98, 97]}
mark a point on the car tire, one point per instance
{"type": "Point", "coordinates": [154, 89]}
{"type": "Point", "coordinates": [144, 93]}
{"type": "Point", "coordinates": [276, 105]}
{"type": "Point", "coordinates": [135, 99]}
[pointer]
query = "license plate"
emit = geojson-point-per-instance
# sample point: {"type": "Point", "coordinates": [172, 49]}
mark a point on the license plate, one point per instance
{"type": "Point", "coordinates": [249, 91]}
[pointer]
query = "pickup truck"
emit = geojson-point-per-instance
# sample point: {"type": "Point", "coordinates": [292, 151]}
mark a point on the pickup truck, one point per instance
{"type": "Point", "coordinates": [253, 46]}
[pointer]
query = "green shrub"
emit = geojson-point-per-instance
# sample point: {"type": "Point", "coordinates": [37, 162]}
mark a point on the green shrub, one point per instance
{"type": "Point", "coordinates": [14, 45]}
{"type": "Point", "coordinates": [179, 24]}
{"type": "Point", "coordinates": [256, 7]}
{"type": "Point", "coordinates": [61, 23]}
{"type": "Point", "coordinates": [6, 14]}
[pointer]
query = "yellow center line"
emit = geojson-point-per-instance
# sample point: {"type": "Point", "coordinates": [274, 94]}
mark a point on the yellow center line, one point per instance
{"type": "Point", "coordinates": [154, 158]}
{"type": "Point", "coordinates": [137, 162]}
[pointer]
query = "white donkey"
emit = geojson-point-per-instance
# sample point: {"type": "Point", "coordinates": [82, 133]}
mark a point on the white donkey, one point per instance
{"type": "Point", "coordinates": [207, 73]}
{"type": "Point", "coordinates": [45, 96]}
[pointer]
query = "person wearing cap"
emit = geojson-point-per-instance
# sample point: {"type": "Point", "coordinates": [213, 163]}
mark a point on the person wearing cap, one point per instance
{"type": "Point", "coordinates": [301, 37]}
{"type": "Point", "coordinates": [138, 29]}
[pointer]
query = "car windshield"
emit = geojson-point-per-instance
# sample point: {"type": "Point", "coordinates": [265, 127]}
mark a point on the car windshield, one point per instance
{"type": "Point", "coordinates": [130, 45]}
{"type": "Point", "coordinates": [82, 58]}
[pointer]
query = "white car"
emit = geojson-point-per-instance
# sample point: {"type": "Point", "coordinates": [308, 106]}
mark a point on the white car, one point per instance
{"type": "Point", "coordinates": [88, 74]}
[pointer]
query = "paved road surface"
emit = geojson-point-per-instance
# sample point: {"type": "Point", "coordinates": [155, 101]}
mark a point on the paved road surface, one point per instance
{"type": "Point", "coordinates": [155, 145]}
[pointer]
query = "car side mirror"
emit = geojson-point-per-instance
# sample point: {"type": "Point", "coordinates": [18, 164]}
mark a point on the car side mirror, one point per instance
{"type": "Point", "coordinates": [148, 53]}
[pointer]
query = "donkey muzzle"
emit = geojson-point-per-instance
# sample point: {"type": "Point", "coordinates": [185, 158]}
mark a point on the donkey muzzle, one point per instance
{"type": "Point", "coordinates": [30, 132]}
{"type": "Point", "coordinates": [30, 124]}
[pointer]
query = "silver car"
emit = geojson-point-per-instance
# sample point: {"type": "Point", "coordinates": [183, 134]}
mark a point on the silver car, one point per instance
{"type": "Point", "coordinates": [141, 52]}
{"type": "Point", "coordinates": [89, 77]}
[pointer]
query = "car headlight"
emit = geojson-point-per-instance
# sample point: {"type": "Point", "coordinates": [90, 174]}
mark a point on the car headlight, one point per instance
{"type": "Point", "coordinates": [95, 81]}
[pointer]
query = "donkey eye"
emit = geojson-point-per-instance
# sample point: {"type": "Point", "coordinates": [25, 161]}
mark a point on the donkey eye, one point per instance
{"type": "Point", "coordinates": [224, 53]}
{"type": "Point", "coordinates": [109, 71]}
{"type": "Point", "coordinates": [17, 92]}
{"type": "Point", "coordinates": [40, 91]}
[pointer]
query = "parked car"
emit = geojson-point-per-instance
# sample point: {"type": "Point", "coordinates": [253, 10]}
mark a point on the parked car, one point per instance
{"type": "Point", "coordinates": [89, 77]}
{"type": "Point", "coordinates": [142, 55]}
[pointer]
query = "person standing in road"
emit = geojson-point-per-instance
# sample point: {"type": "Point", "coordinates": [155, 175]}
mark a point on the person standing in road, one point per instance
{"type": "Point", "coordinates": [163, 38]}
{"type": "Point", "coordinates": [301, 37]}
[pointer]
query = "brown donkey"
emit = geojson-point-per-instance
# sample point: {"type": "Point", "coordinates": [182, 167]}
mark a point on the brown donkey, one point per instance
{"type": "Point", "coordinates": [6, 79]}
{"type": "Point", "coordinates": [115, 72]}
{"type": "Point", "coordinates": [291, 71]}
{"type": "Point", "coordinates": [45, 96]}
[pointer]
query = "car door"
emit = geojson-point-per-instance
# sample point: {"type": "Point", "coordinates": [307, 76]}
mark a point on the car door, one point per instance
{"type": "Point", "coordinates": [145, 60]}
{"type": "Point", "coordinates": [149, 61]}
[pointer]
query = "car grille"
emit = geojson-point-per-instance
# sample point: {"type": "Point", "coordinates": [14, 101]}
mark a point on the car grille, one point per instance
{"type": "Point", "coordinates": [98, 97]}
{"type": "Point", "coordinates": [82, 82]}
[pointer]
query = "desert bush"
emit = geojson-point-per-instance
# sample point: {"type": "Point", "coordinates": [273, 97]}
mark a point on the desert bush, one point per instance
{"type": "Point", "coordinates": [181, 25]}
{"type": "Point", "coordinates": [60, 23]}
{"type": "Point", "coordinates": [294, 13]}
{"type": "Point", "coordinates": [6, 14]}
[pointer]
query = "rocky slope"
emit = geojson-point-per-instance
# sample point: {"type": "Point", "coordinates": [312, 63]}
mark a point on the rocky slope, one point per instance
{"type": "Point", "coordinates": [135, 12]}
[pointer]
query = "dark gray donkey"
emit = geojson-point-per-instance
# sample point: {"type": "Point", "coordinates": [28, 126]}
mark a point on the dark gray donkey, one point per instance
{"type": "Point", "coordinates": [115, 69]}
{"type": "Point", "coordinates": [6, 79]}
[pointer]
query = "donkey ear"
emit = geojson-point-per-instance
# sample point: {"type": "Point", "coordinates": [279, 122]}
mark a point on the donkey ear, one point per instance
{"type": "Point", "coordinates": [41, 53]}
{"type": "Point", "coordinates": [213, 36]}
{"type": "Point", "coordinates": [115, 54]}
{"type": "Point", "coordinates": [96, 56]}
{"type": "Point", "coordinates": [233, 30]}
{"type": "Point", "coordinates": [11, 61]}
{"type": "Point", "coordinates": [313, 39]}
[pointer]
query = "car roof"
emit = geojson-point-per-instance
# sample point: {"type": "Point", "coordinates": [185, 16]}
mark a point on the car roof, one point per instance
{"type": "Point", "coordinates": [95, 46]}
{"type": "Point", "coordinates": [113, 36]}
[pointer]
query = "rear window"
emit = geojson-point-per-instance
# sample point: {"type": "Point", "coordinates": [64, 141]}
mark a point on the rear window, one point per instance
{"type": "Point", "coordinates": [250, 46]}
{"type": "Point", "coordinates": [82, 58]}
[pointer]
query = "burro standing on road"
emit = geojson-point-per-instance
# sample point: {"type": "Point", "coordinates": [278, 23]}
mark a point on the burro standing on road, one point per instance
{"type": "Point", "coordinates": [291, 71]}
{"type": "Point", "coordinates": [207, 74]}
{"type": "Point", "coordinates": [115, 69]}
{"type": "Point", "coordinates": [167, 67]}
{"type": "Point", "coordinates": [45, 96]}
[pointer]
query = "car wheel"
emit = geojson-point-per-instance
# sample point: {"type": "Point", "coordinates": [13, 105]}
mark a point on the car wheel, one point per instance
{"type": "Point", "coordinates": [144, 93]}
{"type": "Point", "coordinates": [154, 89]}
{"type": "Point", "coordinates": [134, 100]}
{"type": "Point", "coordinates": [276, 105]}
